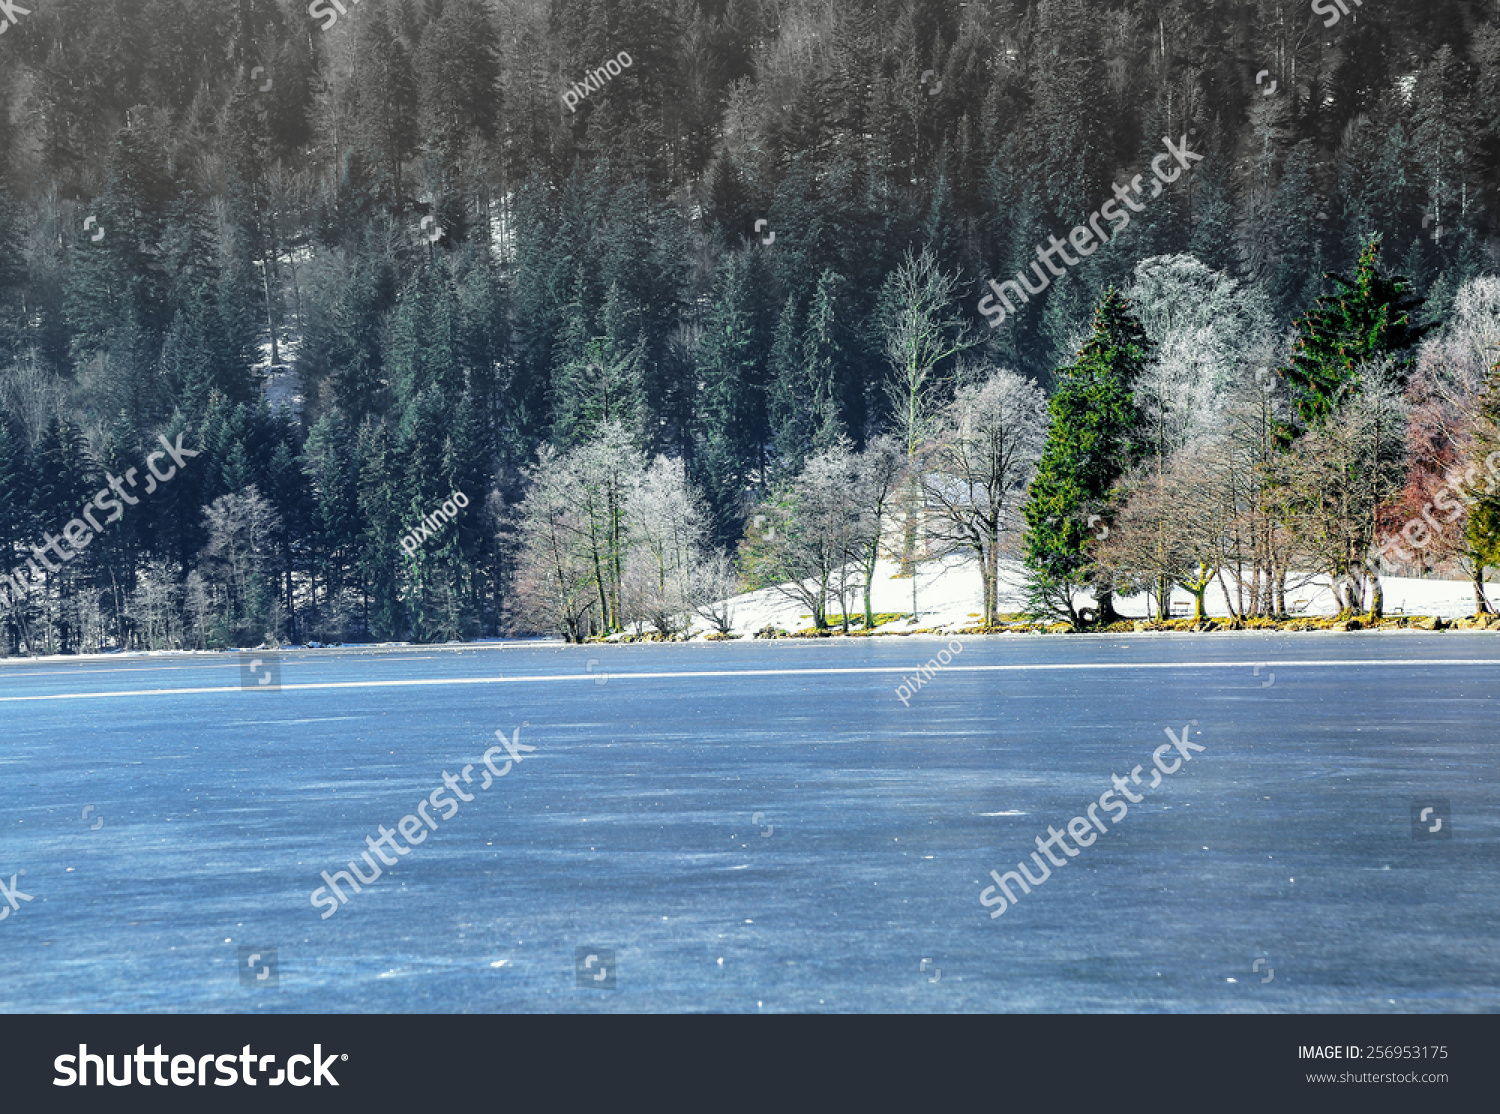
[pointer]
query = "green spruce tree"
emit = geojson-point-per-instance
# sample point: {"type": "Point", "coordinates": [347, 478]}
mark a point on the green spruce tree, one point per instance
{"type": "Point", "coordinates": [1368, 317]}
{"type": "Point", "coordinates": [1094, 437]}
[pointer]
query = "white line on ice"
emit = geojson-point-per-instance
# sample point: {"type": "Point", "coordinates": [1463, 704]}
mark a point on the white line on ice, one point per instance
{"type": "Point", "coordinates": [689, 674]}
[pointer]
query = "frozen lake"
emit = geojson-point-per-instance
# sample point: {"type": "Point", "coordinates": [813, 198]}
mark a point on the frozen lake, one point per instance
{"type": "Point", "coordinates": [771, 805]}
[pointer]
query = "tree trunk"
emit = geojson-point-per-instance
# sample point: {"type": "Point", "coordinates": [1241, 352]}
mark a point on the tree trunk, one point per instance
{"type": "Point", "coordinates": [1229, 601]}
{"type": "Point", "coordinates": [1352, 603]}
{"type": "Point", "coordinates": [992, 576]}
{"type": "Point", "coordinates": [869, 578]}
{"type": "Point", "coordinates": [909, 540]}
{"type": "Point", "coordinates": [1107, 613]}
{"type": "Point", "coordinates": [1481, 605]}
{"type": "Point", "coordinates": [265, 278]}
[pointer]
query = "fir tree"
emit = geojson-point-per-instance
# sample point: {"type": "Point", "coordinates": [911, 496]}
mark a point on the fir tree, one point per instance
{"type": "Point", "coordinates": [603, 380]}
{"type": "Point", "coordinates": [1093, 438]}
{"type": "Point", "coordinates": [731, 420]}
{"type": "Point", "coordinates": [1367, 318]}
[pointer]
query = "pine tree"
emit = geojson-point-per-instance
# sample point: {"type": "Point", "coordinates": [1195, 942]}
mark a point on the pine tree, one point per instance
{"type": "Point", "coordinates": [1093, 438]}
{"type": "Point", "coordinates": [731, 419]}
{"type": "Point", "coordinates": [824, 358]}
{"type": "Point", "coordinates": [356, 355]}
{"type": "Point", "coordinates": [786, 408]}
{"type": "Point", "coordinates": [12, 277]}
{"type": "Point", "coordinates": [425, 347]}
{"type": "Point", "coordinates": [458, 96]}
{"type": "Point", "coordinates": [1298, 234]}
{"type": "Point", "coordinates": [1367, 318]}
{"type": "Point", "coordinates": [332, 469]}
{"type": "Point", "coordinates": [1213, 237]}
{"type": "Point", "coordinates": [807, 372]}
{"type": "Point", "coordinates": [381, 510]}
{"type": "Point", "coordinates": [383, 108]}
{"type": "Point", "coordinates": [602, 381]}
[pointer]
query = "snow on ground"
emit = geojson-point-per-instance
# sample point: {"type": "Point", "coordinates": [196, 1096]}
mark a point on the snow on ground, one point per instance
{"type": "Point", "coordinates": [950, 594]}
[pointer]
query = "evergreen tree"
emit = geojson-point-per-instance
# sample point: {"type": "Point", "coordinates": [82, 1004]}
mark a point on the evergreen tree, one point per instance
{"type": "Point", "coordinates": [604, 381]}
{"type": "Point", "coordinates": [1298, 234]}
{"type": "Point", "coordinates": [331, 466]}
{"type": "Point", "coordinates": [731, 420]}
{"type": "Point", "coordinates": [1093, 439]}
{"type": "Point", "coordinates": [1366, 318]}
{"type": "Point", "coordinates": [382, 511]}
{"type": "Point", "coordinates": [807, 373]}
{"type": "Point", "coordinates": [786, 407]}
{"type": "Point", "coordinates": [382, 111]}
{"type": "Point", "coordinates": [424, 347]}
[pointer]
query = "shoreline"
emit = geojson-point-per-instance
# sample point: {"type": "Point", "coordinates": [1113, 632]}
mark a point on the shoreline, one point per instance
{"type": "Point", "coordinates": [1414, 624]}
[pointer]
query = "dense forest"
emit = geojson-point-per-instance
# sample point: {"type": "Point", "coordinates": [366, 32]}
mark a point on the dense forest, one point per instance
{"type": "Point", "coordinates": [361, 264]}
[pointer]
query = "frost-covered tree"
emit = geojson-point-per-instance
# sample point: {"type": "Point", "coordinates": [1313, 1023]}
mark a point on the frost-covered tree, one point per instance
{"type": "Point", "coordinates": [666, 526]}
{"type": "Point", "coordinates": [605, 470]}
{"type": "Point", "coordinates": [555, 573]}
{"type": "Point", "coordinates": [237, 564]}
{"type": "Point", "coordinates": [923, 333]}
{"type": "Point", "coordinates": [1203, 324]}
{"type": "Point", "coordinates": [987, 443]}
{"type": "Point", "coordinates": [714, 584]}
{"type": "Point", "coordinates": [805, 535]}
{"type": "Point", "coordinates": [1335, 477]}
{"type": "Point", "coordinates": [878, 474]}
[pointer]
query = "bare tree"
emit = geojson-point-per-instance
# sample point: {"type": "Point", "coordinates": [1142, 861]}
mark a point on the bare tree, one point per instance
{"type": "Point", "coordinates": [879, 470]}
{"type": "Point", "coordinates": [986, 446]}
{"type": "Point", "coordinates": [804, 534]}
{"type": "Point", "coordinates": [923, 331]}
{"type": "Point", "coordinates": [714, 584]}
{"type": "Point", "coordinates": [1258, 543]}
{"type": "Point", "coordinates": [1334, 480]}
{"type": "Point", "coordinates": [1172, 527]}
